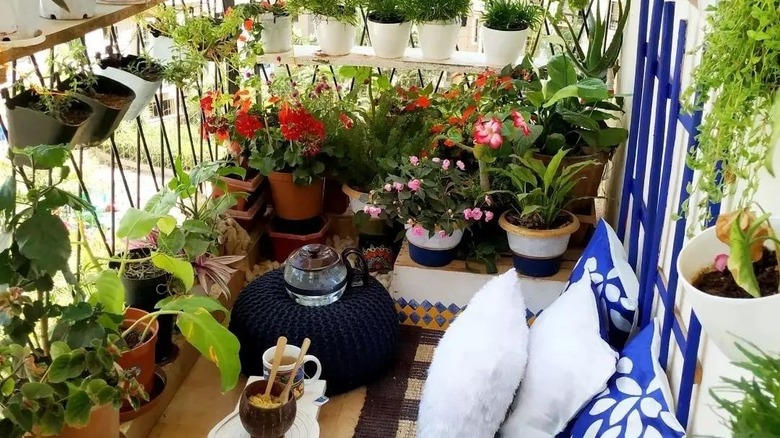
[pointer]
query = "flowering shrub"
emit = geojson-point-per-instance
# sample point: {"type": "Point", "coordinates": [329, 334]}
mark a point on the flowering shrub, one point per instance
{"type": "Point", "coordinates": [427, 194]}
{"type": "Point", "coordinates": [234, 120]}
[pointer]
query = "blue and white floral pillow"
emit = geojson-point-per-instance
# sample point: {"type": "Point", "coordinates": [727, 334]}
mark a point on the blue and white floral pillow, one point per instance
{"type": "Point", "coordinates": [637, 402]}
{"type": "Point", "coordinates": [614, 282]}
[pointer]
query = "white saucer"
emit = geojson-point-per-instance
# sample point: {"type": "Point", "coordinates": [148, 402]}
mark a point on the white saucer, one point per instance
{"type": "Point", "coordinates": [24, 42]}
{"type": "Point", "coordinates": [304, 427]}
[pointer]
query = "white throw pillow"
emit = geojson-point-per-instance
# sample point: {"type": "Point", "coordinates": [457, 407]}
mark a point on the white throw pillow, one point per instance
{"type": "Point", "coordinates": [568, 364]}
{"type": "Point", "coordinates": [478, 365]}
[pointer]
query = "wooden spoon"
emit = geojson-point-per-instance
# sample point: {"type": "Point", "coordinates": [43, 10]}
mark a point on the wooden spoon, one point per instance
{"type": "Point", "coordinates": [281, 344]}
{"type": "Point", "coordinates": [298, 363]}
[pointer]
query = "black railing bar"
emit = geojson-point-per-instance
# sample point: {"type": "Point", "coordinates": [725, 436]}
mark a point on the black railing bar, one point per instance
{"type": "Point", "coordinates": [85, 193]}
{"type": "Point", "coordinates": [112, 207]}
{"type": "Point", "coordinates": [121, 170]}
{"type": "Point", "coordinates": [392, 75]}
{"type": "Point", "coordinates": [38, 71]}
{"type": "Point", "coordinates": [164, 140]}
{"type": "Point", "coordinates": [364, 32]}
{"type": "Point", "coordinates": [335, 81]}
{"type": "Point", "coordinates": [438, 83]}
{"type": "Point", "coordinates": [180, 92]}
{"type": "Point", "coordinates": [2, 126]}
{"type": "Point", "coordinates": [202, 118]}
{"type": "Point", "coordinates": [138, 167]}
{"type": "Point", "coordinates": [265, 73]}
{"type": "Point", "coordinates": [148, 154]}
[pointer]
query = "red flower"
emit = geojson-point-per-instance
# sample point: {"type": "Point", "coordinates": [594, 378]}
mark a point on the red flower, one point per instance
{"type": "Point", "coordinates": [452, 94]}
{"type": "Point", "coordinates": [273, 99]}
{"type": "Point", "coordinates": [423, 102]}
{"type": "Point", "coordinates": [207, 103]}
{"type": "Point", "coordinates": [477, 96]}
{"type": "Point", "coordinates": [249, 25]}
{"type": "Point", "coordinates": [346, 121]}
{"type": "Point", "coordinates": [437, 128]}
{"type": "Point", "coordinates": [300, 126]}
{"type": "Point", "coordinates": [449, 143]}
{"type": "Point", "coordinates": [242, 38]}
{"type": "Point", "coordinates": [247, 125]}
{"type": "Point", "coordinates": [468, 112]}
{"type": "Point", "coordinates": [223, 133]}
{"type": "Point", "coordinates": [519, 122]}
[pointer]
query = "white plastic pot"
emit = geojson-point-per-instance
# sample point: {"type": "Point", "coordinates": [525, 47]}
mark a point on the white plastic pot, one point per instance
{"type": "Point", "coordinates": [728, 320]}
{"type": "Point", "coordinates": [163, 49]}
{"type": "Point", "coordinates": [9, 23]}
{"type": "Point", "coordinates": [537, 253]}
{"type": "Point", "coordinates": [438, 39]}
{"type": "Point", "coordinates": [389, 40]}
{"type": "Point", "coordinates": [437, 242]}
{"type": "Point", "coordinates": [79, 10]}
{"type": "Point", "coordinates": [335, 37]}
{"type": "Point", "coordinates": [143, 89]}
{"type": "Point", "coordinates": [276, 35]}
{"type": "Point", "coordinates": [357, 200]}
{"type": "Point", "coordinates": [503, 47]}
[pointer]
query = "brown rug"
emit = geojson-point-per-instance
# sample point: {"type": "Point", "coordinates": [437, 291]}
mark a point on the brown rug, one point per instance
{"type": "Point", "coordinates": [390, 409]}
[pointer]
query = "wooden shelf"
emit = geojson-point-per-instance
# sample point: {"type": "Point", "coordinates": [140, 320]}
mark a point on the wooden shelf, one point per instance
{"type": "Point", "coordinates": [363, 56]}
{"type": "Point", "coordinates": [62, 31]}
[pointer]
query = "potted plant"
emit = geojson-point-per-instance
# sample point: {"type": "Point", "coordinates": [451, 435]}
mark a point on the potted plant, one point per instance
{"type": "Point", "coordinates": [162, 21]}
{"type": "Point", "coordinates": [438, 24]}
{"type": "Point", "coordinates": [140, 73]}
{"type": "Point", "coordinates": [336, 21]}
{"type": "Point", "coordinates": [428, 196]}
{"type": "Point", "coordinates": [506, 25]}
{"type": "Point", "coordinates": [732, 269]}
{"type": "Point", "coordinates": [276, 22]}
{"type": "Point", "coordinates": [389, 28]}
{"type": "Point", "coordinates": [538, 228]}
{"type": "Point", "coordinates": [67, 9]}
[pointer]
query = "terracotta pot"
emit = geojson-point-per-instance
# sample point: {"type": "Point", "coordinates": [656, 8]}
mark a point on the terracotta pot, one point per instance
{"type": "Point", "coordinates": [127, 413]}
{"type": "Point", "coordinates": [285, 242]}
{"type": "Point", "coordinates": [294, 202]}
{"type": "Point", "coordinates": [266, 423]}
{"type": "Point", "coordinates": [335, 201]}
{"type": "Point", "coordinates": [103, 422]}
{"type": "Point", "coordinates": [236, 185]}
{"type": "Point", "coordinates": [140, 358]}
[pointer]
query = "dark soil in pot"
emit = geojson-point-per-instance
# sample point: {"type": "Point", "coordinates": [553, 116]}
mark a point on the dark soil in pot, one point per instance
{"type": "Point", "coordinates": [133, 339]}
{"type": "Point", "coordinates": [109, 100]}
{"type": "Point", "coordinates": [722, 284]}
{"type": "Point", "coordinates": [373, 16]}
{"type": "Point", "coordinates": [143, 68]}
{"type": "Point", "coordinates": [535, 222]}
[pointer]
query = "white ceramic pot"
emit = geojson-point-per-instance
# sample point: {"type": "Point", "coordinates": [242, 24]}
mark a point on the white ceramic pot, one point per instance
{"type": "Point", "coordinates": [357, 200]}
{"type": "Point", "coordinates": [537, 253]}
{"type": "Point", "coordinates": [9, 23]}
{"type": "Point", "coordinates": [389, 40]}
{"type": "Point", "coordinates": [437, 242]}
{"type": "Point", "coordinates": [335, 37]}
{"type": "Point", "coordinates": [276, 35]}
{"type": "Point", "coordinates": [438, 38]}
{"type": "Point", "coordinates": [728, 320]}
{"type": "Point", "coordinates": [163, 49]}
{"type": "Point", "coordinates": [143, 89]}
{"type": "Point", "coordinates": [503, 47]}
{"type": "Point", "coordinates": [79, 10]}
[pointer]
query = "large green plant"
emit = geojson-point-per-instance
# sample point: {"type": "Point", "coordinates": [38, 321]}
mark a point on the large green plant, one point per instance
{"type": "Point", "coordinates": [438, 10]}
{"type": "Point", "coordinates": [735, 83]}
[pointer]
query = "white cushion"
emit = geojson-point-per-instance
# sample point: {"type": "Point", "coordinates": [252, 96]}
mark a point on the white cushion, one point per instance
{"type": "Point", "coordinates": [568, 364]}
{"type": "Point", "coordinates": [478, 365]}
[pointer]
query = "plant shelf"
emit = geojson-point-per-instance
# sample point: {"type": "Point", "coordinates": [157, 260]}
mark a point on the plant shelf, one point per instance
{"type": "Point", "coordinates": [363, 56]}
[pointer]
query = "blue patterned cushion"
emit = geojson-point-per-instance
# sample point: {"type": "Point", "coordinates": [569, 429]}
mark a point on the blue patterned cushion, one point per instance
{"type": "Point", "coordinates": [637, 402]}
{"type": "Point", "coordinates": [614, 282]}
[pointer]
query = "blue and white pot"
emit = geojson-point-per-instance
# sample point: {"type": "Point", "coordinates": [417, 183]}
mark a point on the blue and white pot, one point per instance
{"type": "Point", "coordinates": [433, 251]}
{"type": "Point", "coordinates": [537, 253]}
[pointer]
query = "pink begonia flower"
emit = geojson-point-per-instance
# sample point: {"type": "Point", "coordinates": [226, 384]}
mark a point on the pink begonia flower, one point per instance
{"type": "Point", "coordinates": [388, 187]}
{"type": "Point", "coordinates": [445, 164]}
{"type": "Point", "coordinates": [418, 230]}
{"type": "Point", "coordinates": [488, 201]}
{"type": "Point", "coordinates": [476, 214]}
{"type": "Point", "coordinates": [721, 260]}
{"type": "Point", "coordinates": [488, 216]}
{"type": "Point", "coordinates": [414, 160]}
{"type": "Point", "coordinates": [467, 213]}
{"type": "Point", "coordinates": [398, 186]}
{"type": "Point", "coordinates": [442, 234]}
{"type": "Point", "coordinates": [414, 185]}
{"type": "Point", "coordinates": [459, 164]}
{"type": "Point", "coordinates": [436, 159]}
{"type": "Point", "coordinates": [488, 132]}
{"type": "Point", "coordinates": [519, 122]}
{"type": "Point", "coordinates": [372, 211]}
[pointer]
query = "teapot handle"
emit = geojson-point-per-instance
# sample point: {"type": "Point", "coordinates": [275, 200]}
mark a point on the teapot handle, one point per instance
{"type": "Point", "coordinates": [357, 275]}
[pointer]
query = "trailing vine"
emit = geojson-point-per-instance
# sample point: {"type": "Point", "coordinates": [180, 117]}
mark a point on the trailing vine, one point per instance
{"type": "Point", "coordinates": [736, 82]}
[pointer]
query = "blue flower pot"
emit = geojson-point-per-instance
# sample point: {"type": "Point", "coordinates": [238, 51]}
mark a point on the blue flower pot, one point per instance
{"type": "Point", "coordinates": [430, 257]}
{"type": "Point", "coordinates": [537, 267]}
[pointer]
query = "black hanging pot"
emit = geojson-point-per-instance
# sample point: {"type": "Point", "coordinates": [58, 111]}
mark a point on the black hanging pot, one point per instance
{"type": "Point", "coordinates": [145, 285]}
{"type": "Point", "coordinates": [28, 126]}
{"type": "Point", "coordinates": [109, 100]}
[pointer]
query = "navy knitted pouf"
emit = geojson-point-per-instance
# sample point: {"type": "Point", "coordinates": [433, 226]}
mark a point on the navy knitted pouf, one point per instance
{"type": "Point", "coordinates": [355, 338]}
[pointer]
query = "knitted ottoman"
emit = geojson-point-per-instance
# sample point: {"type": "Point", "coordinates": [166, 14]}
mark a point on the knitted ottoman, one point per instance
{"type": "Point", "coordinates": [355, 338]}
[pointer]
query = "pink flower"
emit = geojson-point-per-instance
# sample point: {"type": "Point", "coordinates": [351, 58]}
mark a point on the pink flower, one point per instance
{"type": "Point", "coordinates": [372, 211]}
{"type": "Point", "coordinates": [414, 160]}
{"type": "Point", "coordinates": [488, 216]}
{"type": "Point", "coordinates": [476, 214]}
{"type": "Point", "coordinates": [414, 185]}
{"type": "Point", "coordinates": [488, 201]}
{"type": "Point", "coordinates": [388, 187]}
{"type": "Point", "coordinates": [488, 132]}
{"type": "Point", "coordinates": [467, 213]}
{"type": "Point", "coordinates": [436, 159]}
{"type": "Point", "coordinates": [442, 234]}
{"type": "Point", "coordinates": [445, 164]}
{"type": "Point", "coordinates": [721, 260]}
{"type": "Point", "coordinates": [459, 164]}
{"type": "Point", "coordinates": [418, 230]}
{"type": "Point", "coordinates": [398, 186]}
{"type": "Point", "coordinates": [519, 122]}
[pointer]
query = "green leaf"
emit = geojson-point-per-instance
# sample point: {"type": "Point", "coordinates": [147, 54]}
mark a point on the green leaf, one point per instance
{"type": "Point", "coordinates": [552, 169]}
{"type": "Point", "coordinates": [81, 335]}
{"type": "Point", "coordinates": [60, 371]}
{"type": "Point", "coordinates": [563, 93]}
{"type": "Point", "coordinates": [77, 312]}
{"type": "Point", "coordinates": [604, 137]}
{"type": "Point", "coordinates": [109, 292]}
{"type": "Point", "coordinates": [53, 420]}
{"type": "Point", "coordinates": [560, 70]}
{"type": "Point", "coordinates": [180, 269]}
{"type": "Point", "coordinates": [78, 408]}
{"type": "Point", "coordinates": [592, 89]}
{"type": "Point", "coordinates": [8, 387]}
{"type": "Point", "coordinates": [214, 342]}
{"type": "Point", "coordinates": [195, 245]}
{"type": "Point", "coordinates": [196, 226]}
{"type": "Point", "coordinates": [161, 202]}
{"type": "Point", "coordinates": [8, 196]}
{"type": "Point", "coordinates": [740, 261]}
{"type": "Point", "coordinates": [37, 390]}
{"type": "Point", "coordinates": [579, 119]}
{"type": "Point", "coordinates": [137, 224]}
{"type": "Point", "coordinates": [190, 303]}
{"type": "Point", "coordinates": [46, 156]}
{"type": "Point", "coordinates": [171, 243]}
{"type": "Point", "coordinates": [44, 240]}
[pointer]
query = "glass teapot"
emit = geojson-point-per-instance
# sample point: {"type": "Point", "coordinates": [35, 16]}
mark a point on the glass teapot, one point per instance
{"type": "Point", "coordinates": [317, 275]}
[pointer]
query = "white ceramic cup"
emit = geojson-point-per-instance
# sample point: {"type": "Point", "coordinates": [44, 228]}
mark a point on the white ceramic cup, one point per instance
{"type": "Point", "coordinates": [284, 371]}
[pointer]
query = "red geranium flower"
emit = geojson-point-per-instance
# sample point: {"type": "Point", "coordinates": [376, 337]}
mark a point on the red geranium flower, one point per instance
{"type": "Point", "coordinates": [300, 126]}
{"type": "Point", "coordinates": [346, 121]}
{"type": "Point", "coordinates": [249, 25]}
{"type": "Point", "coordinates": [423, 102]}
{"type": "Point", "coordinates": [207, 103]}
{"type": "Point", "coordinates": [437, 128]}
{"type": "Point", "coordinates": [247, 125]}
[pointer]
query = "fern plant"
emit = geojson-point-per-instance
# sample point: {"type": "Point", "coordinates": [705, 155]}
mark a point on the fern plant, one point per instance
{"type": "Point", "coordinates": [511, 15]}
{"type": "Point", "coordinates": [423, 11]}
{"type": "Point", "coordinates": [341, 10]}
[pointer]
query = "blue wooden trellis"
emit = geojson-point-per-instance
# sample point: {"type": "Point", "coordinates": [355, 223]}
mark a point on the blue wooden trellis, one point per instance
{"type": "Point", "coordinates": [655, 118]}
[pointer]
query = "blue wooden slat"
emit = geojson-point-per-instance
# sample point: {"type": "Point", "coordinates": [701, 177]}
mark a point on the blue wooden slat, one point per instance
{"type": "Point", "coordinates": [690, 358]}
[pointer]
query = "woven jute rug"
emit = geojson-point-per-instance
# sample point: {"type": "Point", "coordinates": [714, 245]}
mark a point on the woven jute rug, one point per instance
{"type": "Point", "coordinates": [390, 409]}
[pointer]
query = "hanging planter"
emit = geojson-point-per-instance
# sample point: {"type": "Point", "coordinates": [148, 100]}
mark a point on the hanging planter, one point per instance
{"type": "Point", "coordinates": [389, 39]}
{"type": "Point", "coordinates": [295, 202]}
{"type": "Point", "coordinates": [110, 100]}
{"type": "Point", "coordinates": [727, 312]}
{"type": "Point", "coordinates": [140, 75]}
{"type": "Point", "coordinates": [438, 39]}
{"type": "Point", "coordinates": [75, 10]}
{"type": "Point", "coordinates": [503, 47]}
{"type": "Point", "coordinates": [537, 253]}
{"type": "Point", "coordinates": [140, 356]}
{"type": "Point", "coordinates": [335, 37]}
{"type": "Point", "coordinates": [434, 250]}
{"type": "Point", "coordinates": [276, 35]}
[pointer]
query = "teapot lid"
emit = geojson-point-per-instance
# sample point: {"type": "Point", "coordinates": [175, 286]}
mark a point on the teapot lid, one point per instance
{"type": "Point", "coordinates": [314, 257]}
